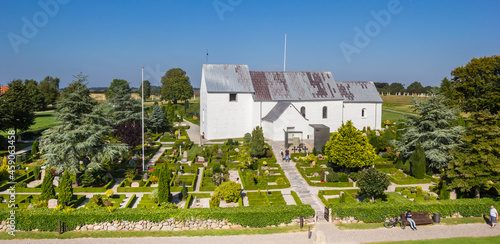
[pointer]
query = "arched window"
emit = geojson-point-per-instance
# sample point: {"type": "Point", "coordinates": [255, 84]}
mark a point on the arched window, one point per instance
{"type": "Point", "coordinates": [363, 113]}
{"type": "Point", "coordinates": [325, 112]}
{"type": "Point", "coordinates": [303, 111]}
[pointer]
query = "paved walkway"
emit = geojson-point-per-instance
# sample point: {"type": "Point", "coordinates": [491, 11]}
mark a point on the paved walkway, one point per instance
{"type": "Point", "coordinates": [193, 132]}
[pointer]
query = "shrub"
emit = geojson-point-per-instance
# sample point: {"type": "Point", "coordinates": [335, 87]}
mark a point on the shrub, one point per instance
{"type": "Point", "coordinates": [214, 200]}
{"type": "Point", "coordinates": [21, 184]}
{"type": "Point", "coordinates": [184, 191]}
{"type": "Point", "coordinates": [87, 178]}
{"type": "Point", "coordinates": [420, 191]}
{"type": "Point", "coordinates": [230, 191]}
{"type": "Point", "coordinates": [154, 195]}
{"type": "Point", "coordinates": [372, 182]}
{"type": "Point", "coordinates": [130, 174]}
{"type": "Point", "coordinates": [36, 172]}
{"type": "Point", "coordinates": [109, 193]}
{"type": "Point", "coordinates": [217, 167]}
{"type": "Point", "coordinates": [107, 203]}
{"type": "Point", "coordinates": [164, 185]}
{"type": "Point", "coordinates": [280, 181]}
{"type": "Point", "coordinates": [343, 177]}
{"type": "Point", "coordinates": [353, 176]}
{"type": "Point", "coordinates": [249, 178]}
{"type": "Point", "coordinates": [406, 166]}
{"type": "Point", "coordinates": [333, 177]}
{"type": "Point", "coordinates": [153, 179]}
{"type": "Point", "coordinates": [418, 162]}
{"type": "Point", "coordinates": [48, 191]}
{"type": "Point", "coordinates": [208, 172]}
{"type": "Point", "coordinates": [65, 189]}
{"type": "Point", "coordinates": [444, 194]}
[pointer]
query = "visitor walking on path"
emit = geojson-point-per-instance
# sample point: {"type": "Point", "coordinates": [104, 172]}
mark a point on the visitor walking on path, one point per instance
{"type": "Point", "coordinates": [287, 155]}
{"type": "Point", "coordinates": [412, 222]}
{"type": "Point", "coordinates": [493, 216]}
{"type": "Point", "coordinates": [282, 155]}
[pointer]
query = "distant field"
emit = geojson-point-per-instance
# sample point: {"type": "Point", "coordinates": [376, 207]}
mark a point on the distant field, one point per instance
{"type": "Point", "coordinates": [399, 103]}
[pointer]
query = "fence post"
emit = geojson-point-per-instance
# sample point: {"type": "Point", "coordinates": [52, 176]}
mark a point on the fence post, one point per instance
{"type": "Point", "coordinates": [301, 222]}
{"type": "Point", "coordinates": [59, 227]}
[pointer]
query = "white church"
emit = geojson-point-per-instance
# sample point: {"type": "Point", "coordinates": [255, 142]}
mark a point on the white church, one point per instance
{"type": "Point", "coordinates": [287, 104]}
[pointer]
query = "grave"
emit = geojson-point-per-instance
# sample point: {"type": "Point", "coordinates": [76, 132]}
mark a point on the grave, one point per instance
{"type": "Point", "coordinates": [52, 203]}
{"type": "Point", "coordinates": [201, 159]}
{"type": "Point", "coordinates": [134, 184]}
{"type": "Point", "coordinates": [56, 181]}
{"type": "Point", "coordinates": [184, 157]}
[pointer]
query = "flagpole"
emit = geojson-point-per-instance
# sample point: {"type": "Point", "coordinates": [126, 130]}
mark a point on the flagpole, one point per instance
{"type": "Point", "coordinates": [142, 111]}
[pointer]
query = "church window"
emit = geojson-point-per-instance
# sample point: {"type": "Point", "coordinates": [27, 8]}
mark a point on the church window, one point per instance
{"type": "Point", "coordinates": [232, 97]}
{"type": "Point", "coordinates": [325, 112]}
{"type": "Point", "coordinates": [303, 111]}
{"type": "Point", "coordinates": [363, 113]}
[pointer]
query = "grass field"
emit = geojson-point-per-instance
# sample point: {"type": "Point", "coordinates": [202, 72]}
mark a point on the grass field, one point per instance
{"type": "Point", "coordinates": [399, 103]}
{"type": "Point", "coordinates": [459, 240]}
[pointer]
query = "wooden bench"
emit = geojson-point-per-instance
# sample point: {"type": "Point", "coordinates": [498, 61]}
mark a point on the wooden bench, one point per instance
{"type": "Point", "coordinates": [420, 218]}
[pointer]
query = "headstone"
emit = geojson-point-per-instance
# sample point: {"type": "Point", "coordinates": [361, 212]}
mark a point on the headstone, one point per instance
{"type": "Point", "coordinates": [219, 151]}
{"type": "Point", "coordinates": [145, 177]}
{"type": "Point", "coordinates": [56, 181]}
{"type": "Point", "coordinates": [320, 156]}
{"type": "Point", "coordinates": [237, 150]}
{"type": "Point", "coordinates": [313, 164]}
{"type": "Point", "coordinates": [185, 154]}
{"type": "Point", "coordinates": [201, 159]}
{"type": "Point", "coordinates": [134, 184]}
{"type": "Point", "coordinates": [30, 206]}
{"type": "Point", "coordinates": [377, 133]}
{"type": "Point", "coordinates": [42, 175]}
{"type": "Point", "coordinates": [52, 203]}
{"type": "Point", "coordinates": [316, 174]}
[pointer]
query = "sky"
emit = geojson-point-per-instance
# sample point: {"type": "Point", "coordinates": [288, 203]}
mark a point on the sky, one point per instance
{"type": "Point", "coordinates": [381, 41]}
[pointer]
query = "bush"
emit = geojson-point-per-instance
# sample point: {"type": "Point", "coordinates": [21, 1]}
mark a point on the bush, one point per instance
{"type": "Point", "coordinates": [36, 172]}
{"type": "Point", "coordinates": [109, 193]}
{"type": "Point", "coordinates": [21, 184]}
{"type": "Point", "coordinates": [107, 203]}
{"type": "Point", "coordinates": [230, 191]}
{"type": "Point", "coordinates": [420, 191]}
{"type": "Point", "coordinates": [343, 177]}
{"type": "Point", "coordinates": [296, 198]}
{"type": "Point", "coordinates": [164, 185]}
{"type": "Point", "coordinates": [249, 178]}
{"type": "Point", "coordinates": [88, 178]}
{"type": "Point", "coordinates": [333, 177]}
{"type": "Point", "coordinates": [280, 181]}
{"type": "Point", "coordinates": [372, 182]}
{"type": "Point", "coordinates": [214, 200]}
{"type": "Point", "coordinates": [65, 189]}
{"type": "Point", "coordinates": [48, 191]}
{"type": "Point", "coordinates": [353, 176]}
{"type": "Point", "coordinates": [184, 191]}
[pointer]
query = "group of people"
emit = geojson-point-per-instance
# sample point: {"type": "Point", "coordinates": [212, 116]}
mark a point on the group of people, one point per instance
{"type": "Point", "coordinates": [285, 156]}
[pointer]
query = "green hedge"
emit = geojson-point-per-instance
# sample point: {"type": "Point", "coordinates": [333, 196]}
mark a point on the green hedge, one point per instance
{"type": "Point", "coordinates": [264, 187]}
{"type": "Point", "coordinates": [179, 188]}
{"type": "Point", "coordinates": [78, 199]}
{"type": "Point", "coordinates": [188, 201]}
{"type": "Point", "coordinates": [96, 189]}
{"type": "Point", "coordinates": [122, 188]}
{"type": "Point", "coordinates": [325, 184]}
{"type": "Point", "coordinates": [18, 179]}
{"type": "Point", "coordinates": [257, 216]}
{"type": "Point", "coordinates": [131, 202]}
{"type": "Point", "coordinates": [409, 180]}
{"type": "Point", "coordinates": [296, 198]}
{"type": "Point", "coordinates": [378, 211]}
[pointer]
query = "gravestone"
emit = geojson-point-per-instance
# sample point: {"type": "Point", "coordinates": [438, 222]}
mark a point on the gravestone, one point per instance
{"type": "Point", "coordinates": [42, 174]}
{"type": "Point", "coordinates": [56, 181]}
{"type": "Point", "coordinates": [30, 206]}
{"type": "Point", "coordinates": [237, 150]}
{"type": "Point", "coordinates": [201, 159]}
{"type": "Point", "coordinates": [184, 156]}
{"type": "Point", "coordinates": [52, 203]}
{"type": "Point", "coordinates": [219, 151]}
{"type": "Point", "coordinates": [134, 184]}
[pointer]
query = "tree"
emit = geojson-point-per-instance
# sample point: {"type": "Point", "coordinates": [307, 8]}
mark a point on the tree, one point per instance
{"type": "Point", "coordinates": [257, 143]}
{"type": "Point", "coordinates": [372, 182]}
{"type": "Point", "coordinates": [49, 87]}
{"type": "Point", "coordinates": [16, 108]}
{"type": "Point", "coordinates": [156, 119]}
{"type": "Point", "coordinates": [65, 189]}
{"type": "Point", "coordinates": [88, 178]}
{"type": "Point", "coordinates": [123, 107]}
{"type": "Point", "coordinates": [79, 139]}
{"type": "Point", "coordinates": [446, 89]}
{"type": "Point", "coordinates": [349, 148]}
{"type": "Point", "coordinates": [34, 147]}
{"type": "Point", "coordinates": [164, 185]}
{"type": "Point", "coordinates": [476, 84]}
{"type": "Point", "coordinates": [476, 164]}
{"type": "Point", "coordinates": [184, 191]}
{"type": "Point", "coordinates": [129, 133]}
{"type": "Point", "coordinates": [35, 95]}
{"type": "Point", "coordinates": [147, 89]}
{"type": "Point", "coordinates": [176, 85]}
{"type": "Point", "coordinates": [415, 87]}
{"type": "Point", "coordinates": [395, 88]}
{"type": "Point", "coordinates": [418, 162]}
{"type": "Point", "coordinates": [48, 191]}
{"type": "Point", "coordinates": [434, 127]}
{"type": "Point", "coordinates": [110, 92]}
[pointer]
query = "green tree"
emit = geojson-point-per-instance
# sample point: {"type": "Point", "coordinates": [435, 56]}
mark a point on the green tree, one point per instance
{"type": "Point", "coordinates": [156, 118]}
{"type": "Point", "coordinates": [123, 107]}
{"type": "Point", "coordinates": [147, 89]}
{"type": "Point", "coordinates": [49, 87]}
{"type": "Point", "coordinates": [65, 189]}
{"type": "Point", "coordinates": [372, 182]}
{"type": "Point", "coordinates": [418, 162]}
{"type": "Point", "coordinates": [184, 191]}
{"type": "Point", "coordinates": [415, 87]}
{"type": "Point", "coordinates": [476, 164]}
{"type": "Point", "coordinates": [257, 143]}
{"type": "Point", "coordinates": [110, 92]}
{"type": "Point", "coordinates": [34, 147]}
{"type": "Point", "coordinates": [476, 84]}
{"type": "Point", "coordinates": [448, 91]}
{"type": "Point", "coordinates": [79, 139]}
{"type": "Point", "coordinates": [88, 178]}
{"type": "Point", "coordinates": [434, 127]}
{"type": "Point", "coordinates": [395, 88]}
{"type": "Point", "coordinates": [176, 85]}
{"type": "Point", "coordinates": [48, 190]}
{"type": "Point", "coordinates": [349, 148]}
{"type": "Point", "coordinates": [164, 185]}
{"type": "Point", "coordinates": [16, 108]}
{"type": "Point", "coordinates": [35, 95]}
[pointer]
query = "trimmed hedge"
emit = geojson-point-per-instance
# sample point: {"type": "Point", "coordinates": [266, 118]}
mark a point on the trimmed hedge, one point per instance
{"type": "Point", "coordinates": [131, 202]}
{"type": "Point", "coordinates": [18, 179]}
{"type": "Point", "coordinates": [122, 188]}
{"type": "Point", "coordinates": [256, 216]}
{"type": "Point", "coordinates": [296, 198]}
{"type": "Point", "coordinates": [264, 187]}
{"type": "Point", "coordinates": [379, 211]}
{"type": "Point", "coordinates": [79, 200]}
{"type": "Point", "coordinates": [95, 189]}
{"type": "Point", "coordinates": [325, 184]}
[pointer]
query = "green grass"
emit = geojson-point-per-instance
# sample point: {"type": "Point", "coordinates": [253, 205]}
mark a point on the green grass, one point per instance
{"type": "Point", "coordinates": [392, 116]}
{"type": "Point", "coordinates": [256, 199]}
{"type": "Point", "coordinates": [195, 149]}
{"type": "Point", "coordinates": [43, 120]}
{"type": "Point", "coordinates": [458, 240]}
{"type": "Point", "coordinates": [125, 234]}
{"type": "Point", "coordinates": [470, 220]}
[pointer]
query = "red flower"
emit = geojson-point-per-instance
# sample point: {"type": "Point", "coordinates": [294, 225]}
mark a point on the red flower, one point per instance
{"type": "Point", "coordinates": [322, 181]}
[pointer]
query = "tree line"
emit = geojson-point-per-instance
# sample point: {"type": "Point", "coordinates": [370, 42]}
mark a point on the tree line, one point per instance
{"type": "Point", "coordinates": [398, 88]}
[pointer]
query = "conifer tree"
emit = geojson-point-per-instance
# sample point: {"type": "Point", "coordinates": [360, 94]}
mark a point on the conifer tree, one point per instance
{"type": "Point", "coordinates": [48, 190]}
{"type": "Point", "coordinates": [88, 178]}
{"type": "Point", "coordinates": [123, 107]}
{"type": "Point", "coordinates": [418, 163]}
{"type": "Point", "coordinates": [184, 191]}
{"type": "Point", "coordinates": [164, 185]}
{"type": "Point", "coordinates": [65, 189]}
{"type": "Point", "coordinates": [34, 147]}
{"type": "Point", "coordinates": [16, 108]}
{"type": "Point", "coordinates": [257, 143]}
{"type": "Point", "coordinates": [156, 119]}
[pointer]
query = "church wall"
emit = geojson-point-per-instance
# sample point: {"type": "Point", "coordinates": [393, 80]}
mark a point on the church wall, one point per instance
{"type": "Point", "coordinates": [372, 115]}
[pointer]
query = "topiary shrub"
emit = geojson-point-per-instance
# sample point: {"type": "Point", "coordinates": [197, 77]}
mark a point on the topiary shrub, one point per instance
{"type": "Point", "coordinates": [214, 200]}
{"type": "Point", "coordinates": [353, 176]}
{"type": "Point", "coordinates": [184, 191]}
{"type": "Point", "coordinates": [230, 191]}
{"type": "Point", "coordinates": [164, 185]}
{"type": "Point", "coordinates": [280, 181]}
{"type": "Point", "coordinates": [343, 177]}
{"type": "Point", "coordinates": [88, 178]}
{"type": "Point", "coordinates": [48, 191]}
{"type": "Point", "coordinates": [36, 172]}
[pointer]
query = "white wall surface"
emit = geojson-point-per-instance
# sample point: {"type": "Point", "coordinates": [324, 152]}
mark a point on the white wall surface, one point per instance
{"type": "Point", "coordinates": [372, 118]}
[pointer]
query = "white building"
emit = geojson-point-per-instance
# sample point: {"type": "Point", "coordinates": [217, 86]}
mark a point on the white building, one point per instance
{"type": "Point", "coordinates": [287, 104]}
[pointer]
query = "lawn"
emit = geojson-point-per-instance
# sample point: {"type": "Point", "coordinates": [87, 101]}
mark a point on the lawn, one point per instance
{"type": "Point", "coordinates": [43, 120]}
{"type": "Point", "coordinates": [264, 198]}
{"type": "Point", "coordinates": [392, 115]}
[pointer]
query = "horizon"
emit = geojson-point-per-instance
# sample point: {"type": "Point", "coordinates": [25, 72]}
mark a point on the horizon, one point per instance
{"type": "Point", "coordinates": [380, 41]}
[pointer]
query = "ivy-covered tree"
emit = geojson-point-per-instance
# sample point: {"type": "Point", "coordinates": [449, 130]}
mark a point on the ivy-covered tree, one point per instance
{"type": "Point", "coordinates": [176, 85]}
{"type": "Point", "coordinates": [349, 148]}
{"type": "Point", "coordinates": [17, 108]}
{"type": "Point", "coordinates": [372, 182]}
{"type": "Point", "coordinates": [156, 118]}
{"type": "Point", "coordinates": [48, 190]}
{"type": "Point", "coordinates": [257, 143]}
{"type": "Point", "coordinates": [434, 127]}
{"type": "Point", "coordinates": [476, 164]}
{"type": "Point", "coordinates": [418, 162]}
{"type": "Point", "coordinates": [65, 189]}
{"type": "Point", "coordinates": [79, 140]}
{"type": "Point", "coordinates": [164, 185]}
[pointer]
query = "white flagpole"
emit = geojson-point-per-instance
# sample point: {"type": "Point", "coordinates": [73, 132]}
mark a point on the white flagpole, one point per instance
{"type": "Point", "coordinates": [142, 110]}
{"type": "Point", "coordinates": [284, 60]}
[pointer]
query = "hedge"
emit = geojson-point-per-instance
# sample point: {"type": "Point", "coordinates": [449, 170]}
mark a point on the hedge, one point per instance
{"type": "Point", "coordinates": [379, 211]}
{"type": "Point", "coordinates": [264, 187]}
{"type": "Point", "coordinates": [188, 201]}
{"type": "Point", "coordinates": [179, 188]}
{"type": "Point", "coordinates": [256, 216]}
{"type": "Point", "coordinates": [38, 189]}
{"type": "Point", "coordinates": [122, 188]}
{"type": "Point", "coordinates": [324, 184]}
{"type": "Point", "coordinates": [131, 202]}
{"type": "Point", "coordinates": [18, 179]}
{"type": "Point", "coordinates": [79, 200]}
{"type": "Point", "coordinates": [296, 198]}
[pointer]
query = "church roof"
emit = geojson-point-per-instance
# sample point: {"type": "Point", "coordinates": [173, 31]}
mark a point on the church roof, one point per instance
{"type": "Point", "coordinates": [227, 78]}
{"type": "Point", "coordinates": [276, 111]}
{"type": "Point", "coordinates": [358, 91]}
{"type": "Point", "coordinates": [293, 86]}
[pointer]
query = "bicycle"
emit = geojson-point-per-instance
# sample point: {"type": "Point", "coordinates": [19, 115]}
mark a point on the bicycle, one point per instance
{"type": "Point", "coordinates": [393, 222]}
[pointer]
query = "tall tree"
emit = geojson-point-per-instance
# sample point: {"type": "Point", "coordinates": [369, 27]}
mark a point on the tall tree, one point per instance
{"type": "Point", "coordinates": [434, 128]}
{"type": "Point", "coordinates": [78, 141]}
{"type": "Point", "coordinates": [49, 87]}
{"type": "Point", "coordinates": [129, 133]}
{"type": "Point", "coordinates": [477, 84]}
{"type": "Point", "coordinates": [35, 94]}
{"type": "Point", "coordinates": [415, 87]}
{"type": "Point", "coordinates": [176, 85]}
{"type": "Point", "coordinates": [257, 143]}
{"type": "Point", "coordinates": [123, 107]}
{"type": "Point", "coordinates": [147, 89]}
{"type": "Point", "coordinates": [372, 182]}
{"type": "Point", "coordinates": [395, 88]}
{"type": "Point", "coordinates": [65, 189]}
{"type": "Point", "coordinates": [349, 148]}
{"type": "Point", "coordinates": [48, 190]}
{"type": "Point", "coordinates": [110, 92]}
{"type": "Point", "coordinates": [156, 118]}
{"type": "Point", "coordinates": [476, 164]}
{"type": "Point", "coordinates": [418, 162]}
{"type": "Point", "coordinates": [448, 91]}
{"type": "Point", "coordinates": [17, 108]}
{"type": "Point", "coordinates": [164, 185]}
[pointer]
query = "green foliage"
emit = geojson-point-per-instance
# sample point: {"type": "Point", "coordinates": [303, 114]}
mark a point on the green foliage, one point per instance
{"type": "Point", "coordinates": [109, 193]}
{"type": "Point", "coordinates": [214, 201]}
{"type": "Point", "coordinates": [372, 182]}
{"type": "Point", "coordinates": [333, 177]}
{"type": "Point", "coordinates": [88, 178]}
{"type": "Point", "coordinates": [17, 108]}
{"type": "Point", "coordinates": [476, 84]}
{"type": "Point", "coordinates": [406, 166]}
{"type": "Point", "coordinates": [184, 191]}
{"type": "Point", "coordinates": [249, 178]}
{"type": "Point", "coordinates": [154, 195]}
{"type": "Point", "coordinates": [65, 189]}
{"type": "Point", "coordinates": [477, 161]}
{"type": "Point", "coordinates": [176, 85]}
{"type": "Point", "coordinates": [48, 190]}
{"type": "Point", "coordinates": [147, 89]}
{"type": "Point", "coordinates": [49, 87]}
{"type": "Point", "coordinates": [156, 118]}
{"type": "Point", "coordinates": [130, 175]}
{"type": "Point", "coordinates": [164, 185]}
{"type": "Point", "coordinates": [36, 172]}
{"type": "Point", "coordinates": [34, 147]}
{"type": "Point", "coordinates": [230, 191]}
{"type": "Point", "coordinates": [116, 83]}
{"type": "Point", "coordinates": [296, 198]}
{"type": "Point", "coordinates": [280, 181]}
{"type": "Point", "coordinates": [418, 162]}
{"type": "Point", "coordinates": [349, 148]}
{"type": "Point", "coordinates": [353, 176]}
{"type": "Point", "coordinates": [343, 177]}
{"type": "Point", "coordinates": [257, 143]}
{"type": "Point", "coordinates": [247, 138]}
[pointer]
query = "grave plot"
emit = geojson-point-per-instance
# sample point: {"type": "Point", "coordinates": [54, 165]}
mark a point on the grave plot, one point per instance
{"type": "Point", "coordinates": [314, 169]}
{"type": "Point", "coordinates": [264, 174]}
{"type": "Point", "coordinates": [99, 200]}
{"type": "Point", "coordinates": [338, 196]}
{"type": "Point", "coordinates": [264, 198]}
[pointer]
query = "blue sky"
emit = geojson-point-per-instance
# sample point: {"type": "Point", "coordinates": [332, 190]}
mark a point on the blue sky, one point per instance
{"type": "Point", "coordinates": [423, 40]}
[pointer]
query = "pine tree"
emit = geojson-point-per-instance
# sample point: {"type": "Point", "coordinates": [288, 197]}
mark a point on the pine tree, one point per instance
{"type": "Point", "coordinates": [123, 107]}
{"type": "Point", "coordinates": [434, 128]}
{"type": "Point", "coordinates": [65, 189]}
{"type": "Point", "coordinates": [48, 190]}
{"type": "Point", "coordinates": [79, 139]}
{"type": "Point", "coordinates": [257, 143]}
{"type": "Point", "coordinates": [477, 161]}
{"type": "Point", "coordinates": [34, 147]}
{"type": "Point", "coordinates": [184, 191]}
{"type": "Point", "coordinates": [164, 185]}
{"type": "Point", "coordinates": [349, 148]}
{"type": "Point", "coordinates": [418, 162]}
{"type": "Point", "coordinates": [156, 119]}
{"type": "Point", "coordinates": [88, 178]}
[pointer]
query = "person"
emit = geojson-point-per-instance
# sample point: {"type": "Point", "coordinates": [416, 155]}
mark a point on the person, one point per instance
{"type": "Point", "coordinates": [287, 155]}
{"type": "Point", "coordinates": [410, 220]}
{"type": "Point", "coordinates": [493, 216]}
{"type": "Point", "coordinates": [282, 155]}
